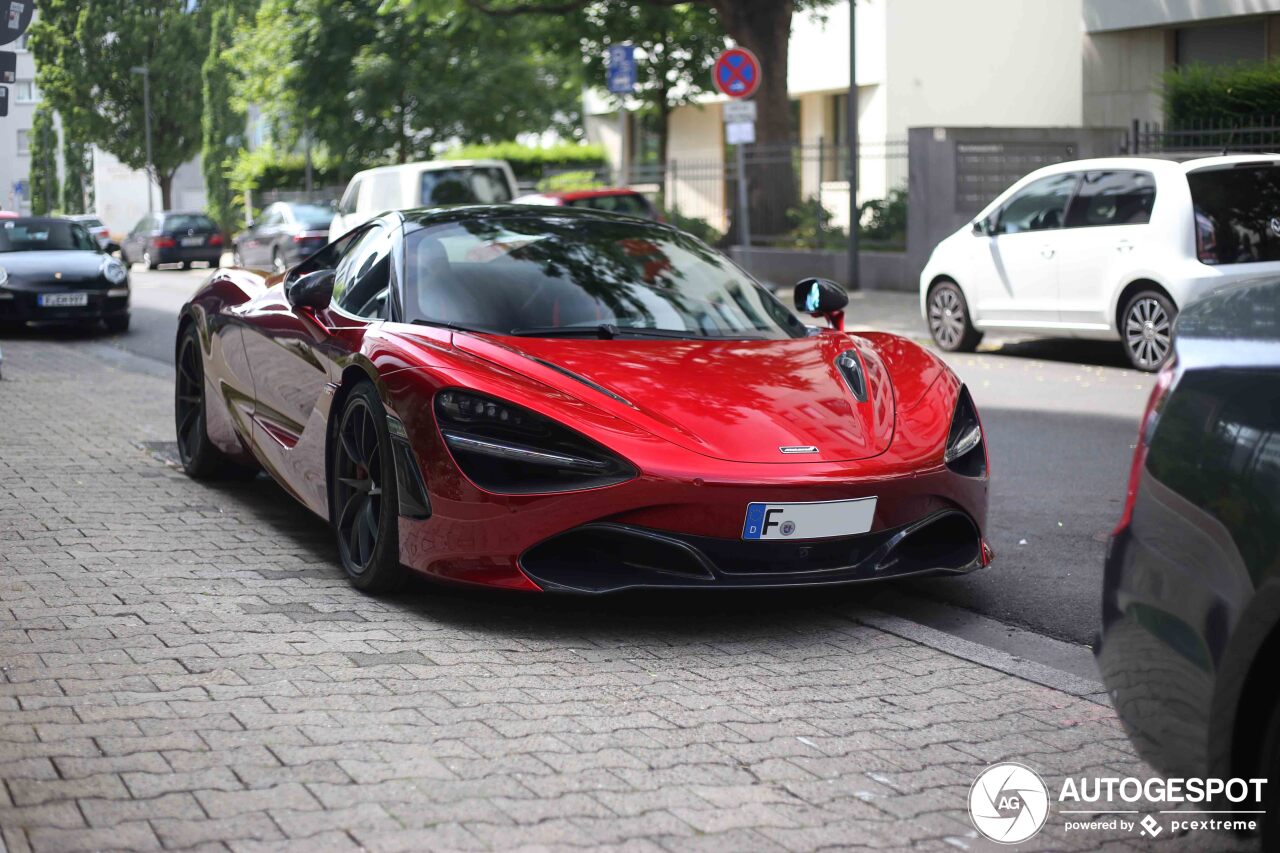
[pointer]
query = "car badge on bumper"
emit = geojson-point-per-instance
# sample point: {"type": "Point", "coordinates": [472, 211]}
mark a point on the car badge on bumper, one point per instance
{"type": "Point", "coordinates": [799, 448]}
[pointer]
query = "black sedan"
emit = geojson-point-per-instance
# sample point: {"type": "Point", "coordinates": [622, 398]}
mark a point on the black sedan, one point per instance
{"type": "Point", "coordinates": [54, 271]}
{"type": "Point", "coordinates": [284, 234]}
{"type": "Point", "coordinates": [1191, 597]}
{"type": "Point", "coordinates": [173, 237]}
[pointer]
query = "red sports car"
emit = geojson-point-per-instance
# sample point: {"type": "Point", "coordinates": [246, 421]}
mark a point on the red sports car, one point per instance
{"type": "Point", "coordinates": [567, 400]}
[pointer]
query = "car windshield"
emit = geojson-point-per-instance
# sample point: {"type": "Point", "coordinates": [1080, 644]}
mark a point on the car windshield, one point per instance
{"type": "Point", "coordinates": [188, 222]}
{"type": "Point", "coordinates": [44, 235]}
{"type": "Point", "coordinates": [312, 216]}
{"type": "Point", "coordinates": [572, 275]}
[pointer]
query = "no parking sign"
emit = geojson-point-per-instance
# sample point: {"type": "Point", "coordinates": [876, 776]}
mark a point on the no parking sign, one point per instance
{"type": "Point", "coordinates": [737, 73]}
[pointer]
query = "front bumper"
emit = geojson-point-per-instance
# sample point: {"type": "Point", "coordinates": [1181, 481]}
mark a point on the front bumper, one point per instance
{"type": "Point", "coordinates": [600, 558]}
{"type": "Point", "coordinates": [20, 306]}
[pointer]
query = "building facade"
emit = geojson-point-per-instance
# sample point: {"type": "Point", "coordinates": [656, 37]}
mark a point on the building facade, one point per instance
{"type": "Point", "coordinates": [15, 132]}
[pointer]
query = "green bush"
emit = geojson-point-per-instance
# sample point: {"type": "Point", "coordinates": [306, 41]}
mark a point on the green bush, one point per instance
{"type": "Point", "coordinates": [883, 225]}
{"type": "Point", "coordinates": [268, 169]}
{"type": "Point", "coordinates": [1203, 94]}
{"type": "Point", "coordinates": [700, 228]}
{"type": "Point", "coordinates": [884, 220]}
{"type": "Point", "coordinates": [566, 181]}
{"type": "Point", "coordinates": [531, 163]}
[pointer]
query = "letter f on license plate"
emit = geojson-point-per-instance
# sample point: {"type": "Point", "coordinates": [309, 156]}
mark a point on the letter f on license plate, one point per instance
{"type": "Point", "coordinates": [813, 520]}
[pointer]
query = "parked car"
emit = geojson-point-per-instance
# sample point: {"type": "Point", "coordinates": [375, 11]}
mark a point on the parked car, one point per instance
{"type": "Point", "coordinates": [434, 369]}
{"type": "Point", "coordinates": [284, 234]}
{"type": "Point", "coordinates": [617, 200]}
{"type": "Point", "coordinates": [1191, 591]}
{"type": "Point", "coordinates": [97, 229]}
{"type": "Point", "coordinates": [427, 184]}
{"type": "Point", "coordinates": [173, 237]}
{"type": "Point", "coordinates": [54, 271]}
{"type": "Point", "coordinates": [1109, 248]}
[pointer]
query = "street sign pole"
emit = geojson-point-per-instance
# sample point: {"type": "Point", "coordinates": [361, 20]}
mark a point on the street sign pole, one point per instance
{"type": "Point", "coordinates": [851, 118]}
{"type": "Point", "coordinates": [744, 210]}
{"type": "Point", "coordinates": [736, 73]}
{"type": "Point", "coordinates": [621, 79]}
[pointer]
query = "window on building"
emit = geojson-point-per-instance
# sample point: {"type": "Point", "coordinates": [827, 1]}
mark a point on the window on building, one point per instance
{"type": "Point", "coordinates": [25, 92]}
{"type": "Point", "coordinates": [21, 43]}
{"type": "Point", "coordinates": [24, 142]}
{"type": "Point", "coordinates": [1221, 44]}
{"type": "Point", "coordinates": [837, 136]}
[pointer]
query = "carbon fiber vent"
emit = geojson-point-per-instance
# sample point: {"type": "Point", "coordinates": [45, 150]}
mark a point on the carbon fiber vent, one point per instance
{"type": "Point", "coordinates": [850, 367]}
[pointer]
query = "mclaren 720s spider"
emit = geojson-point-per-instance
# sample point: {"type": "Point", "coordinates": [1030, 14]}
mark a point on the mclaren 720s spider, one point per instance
{"type": "Point", "coordinates": [568, 400]}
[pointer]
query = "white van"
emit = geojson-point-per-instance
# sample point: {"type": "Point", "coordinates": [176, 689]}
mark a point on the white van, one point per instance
{"type": "Point", "coordinates": [427, 184]}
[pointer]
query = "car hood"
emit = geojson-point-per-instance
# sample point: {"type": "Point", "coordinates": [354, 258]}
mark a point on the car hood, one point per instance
{"type": "Point", "coordinates": [74, 265]}
{"type": "Point", "coordinates": [741, 401]}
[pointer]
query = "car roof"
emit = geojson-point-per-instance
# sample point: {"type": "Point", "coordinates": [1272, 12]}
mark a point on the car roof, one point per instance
{"type": "Point", "coordinates": [575, 195]}
{"type": "Point", "coordinates": [1171, 164]}
{"type": "Point", "coordinates": [181, 213]}
{"type": "Point", "coordinates": [431, 166]}
{"type": "Point", "coordinates": [436, 215]}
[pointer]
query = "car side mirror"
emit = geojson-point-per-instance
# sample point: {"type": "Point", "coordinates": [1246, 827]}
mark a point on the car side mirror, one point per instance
{"type": "Point", "coordinates": [983, 228]}
{"type": "Point", "coordinates": [820, 297]}
{"type": "Point", "coordinates": [313, 290]}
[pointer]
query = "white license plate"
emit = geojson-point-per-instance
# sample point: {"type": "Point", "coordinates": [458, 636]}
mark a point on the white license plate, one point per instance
{"type": "Point", "coordinates": [193, 241]}
{"type": "Point", "coordinates": [814, 520]}
{"type": "Point", "coordinates": [64, 300]}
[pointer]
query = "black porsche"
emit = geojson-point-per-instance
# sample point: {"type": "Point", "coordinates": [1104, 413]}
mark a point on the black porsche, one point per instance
{"type": "Point", "coordinates": [1191, 596]}
{"type": "Point", "coordinates": [54, 271]}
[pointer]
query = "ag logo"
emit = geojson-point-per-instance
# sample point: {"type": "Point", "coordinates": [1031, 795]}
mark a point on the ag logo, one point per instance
{"type": "Point", "coordinates": [1008, 803]}
{"type": "Point", "coordinates": [1274, 225]}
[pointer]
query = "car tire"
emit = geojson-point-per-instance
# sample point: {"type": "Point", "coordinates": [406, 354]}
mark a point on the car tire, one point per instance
{"type": "Point", "coordinates": [148, 261]}
{"type": "Point", "coordinates": [186, 265]}
{"type": "Point", "coordinates": [199, 458]}
{"type": "Point", "coordinates": [363, 501]}
{"type": "Point", "coordinates": [948, 318]}
{"type": "Point", "coordinates": [236, 260]}
{"type": "Point", "coordinates": [277, 262]}
{"type": "Point", "coordinates": [117, 324]}
{"type": "Point", "coordinates": [1146, 330]}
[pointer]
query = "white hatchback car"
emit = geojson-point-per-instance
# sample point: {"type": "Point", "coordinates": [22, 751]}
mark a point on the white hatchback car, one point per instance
{"type": "Point", "coordinates": [1109, 248]}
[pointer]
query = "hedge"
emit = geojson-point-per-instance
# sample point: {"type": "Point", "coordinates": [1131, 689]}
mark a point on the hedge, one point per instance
{"type": "Point", "coordinates": [267, 169]}
{"type": "Point", "coordinates": [1199, 95]}
{"type": "Point", "coordinates": [530, 163]}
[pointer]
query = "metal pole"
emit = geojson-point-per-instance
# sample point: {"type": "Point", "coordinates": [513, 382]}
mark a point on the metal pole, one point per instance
{"type": "Point", "coordinates": [622, 143]}
{"type": "Point", "coordinates": [744, 214]}
{"type": "Point", "coordinates": [306, 135]}
{"type": "Point", "coordinates": [851, 119]}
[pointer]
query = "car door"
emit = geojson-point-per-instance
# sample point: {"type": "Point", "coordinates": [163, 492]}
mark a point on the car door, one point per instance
{"type": "Point", "coordinates": [295, 358]}
{"type": "Point", "coordinates": [1019, 261]}
{"type": "Point", "coordinates": [1106, 229]}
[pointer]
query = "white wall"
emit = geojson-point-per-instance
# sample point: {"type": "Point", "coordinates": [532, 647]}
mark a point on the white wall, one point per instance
{"type": "Point", "coordinates": [989, 63]}
{"type": "Point", "coordinates": [15, 167]}
{"type": "Point", "coordinates": [1122, 72]}
{"type": "Point", "coordinates": [819, 54]}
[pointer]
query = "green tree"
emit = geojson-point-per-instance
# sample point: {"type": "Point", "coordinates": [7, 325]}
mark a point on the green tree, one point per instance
{"type": "Point", "coordinates": [376, 80]}
{"type": "Point", "coordinates": [77, 172]}
{"type": "Point", "coordinates": [222, 123]}
{"type": "Point", "coordinates": [85, 50]}
{"type": "Point", "coordinates": [676, 48]}
{"type": "Point", "coordinates": [44, 162]}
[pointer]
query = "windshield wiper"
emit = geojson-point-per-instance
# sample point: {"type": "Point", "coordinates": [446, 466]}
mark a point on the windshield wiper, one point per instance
{"type": "Point", "coordinates": [457, 327]}
{"type": "Point", "coordinates": [608, 331]}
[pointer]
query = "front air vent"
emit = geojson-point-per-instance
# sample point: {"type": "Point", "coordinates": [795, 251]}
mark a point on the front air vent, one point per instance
{"type": "Point", "coordinates": [850, 367]}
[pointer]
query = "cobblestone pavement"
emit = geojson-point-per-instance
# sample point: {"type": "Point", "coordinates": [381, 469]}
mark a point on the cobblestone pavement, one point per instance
{"type": "Point", "coordinates": [183, 666]}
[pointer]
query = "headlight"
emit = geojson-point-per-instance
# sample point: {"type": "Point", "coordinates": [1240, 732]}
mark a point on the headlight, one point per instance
{"type": "Point", "coordinates": [113, 271]}
{"type": "Point", "coordinates": [965, 453]}
{"type": "Point", "coordinates": [505, 448]}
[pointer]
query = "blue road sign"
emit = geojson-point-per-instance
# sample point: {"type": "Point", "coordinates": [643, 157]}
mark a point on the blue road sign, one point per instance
{"type": "Point", "coordinates": [622, 69]}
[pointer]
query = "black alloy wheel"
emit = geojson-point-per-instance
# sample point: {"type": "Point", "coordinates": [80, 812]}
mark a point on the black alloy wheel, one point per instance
{"type": "Point", "coordinates": [1147, 330]}
{"type": "Point", "coordinates": [364, 503]}
{"type": "Point", "coordinates": [200, 459]}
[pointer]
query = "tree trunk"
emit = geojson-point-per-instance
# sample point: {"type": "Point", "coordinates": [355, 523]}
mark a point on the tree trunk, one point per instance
{"type": "Point", "coordinates": [166, 190]}
{"type": "Point", "coordinates": [764, 28]}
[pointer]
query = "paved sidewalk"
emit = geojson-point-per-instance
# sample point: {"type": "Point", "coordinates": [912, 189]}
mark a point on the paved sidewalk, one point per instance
{"type": "Point", "coordinates": [183, 666]}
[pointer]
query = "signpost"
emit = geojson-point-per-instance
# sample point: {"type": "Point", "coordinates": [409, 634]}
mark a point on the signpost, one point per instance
{"type": "Point", "coordinates": [621, 80]}
{"type": "Point", "coordinates": [737, 75]}
{"type": "Point", "coordinates": [15, 17]}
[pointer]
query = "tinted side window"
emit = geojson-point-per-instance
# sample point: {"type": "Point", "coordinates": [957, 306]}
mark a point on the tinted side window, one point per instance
{"type": "Point", "coordinates": [364, 274]}
{"type": "Point", "coordinates": [1113, 198]}
{"type": "Point", "coordinates": [1038, 206]}
{"type": "Point", "coordinates": [1237, 212]}
{"type": "Point", "coordinates": [464, 186]}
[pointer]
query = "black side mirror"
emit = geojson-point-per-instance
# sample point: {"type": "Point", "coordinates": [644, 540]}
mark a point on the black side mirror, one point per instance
{"type": "Point", "coordinates": [820, 297]}
{"type": "Point", "coordinates": [313, 290]}
{"type": "Point", "coordinates": [983, 228]}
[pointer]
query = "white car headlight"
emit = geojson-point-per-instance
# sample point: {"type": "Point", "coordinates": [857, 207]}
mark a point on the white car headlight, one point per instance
{"type": "Point", "coordinates": [113, 271]}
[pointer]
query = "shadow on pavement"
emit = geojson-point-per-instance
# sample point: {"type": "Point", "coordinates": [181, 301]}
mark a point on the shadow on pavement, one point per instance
{"type": "Point", "coordinates": [1099, 353]}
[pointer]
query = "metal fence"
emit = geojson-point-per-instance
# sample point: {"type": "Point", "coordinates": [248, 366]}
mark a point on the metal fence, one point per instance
{"type": "Point", "coordinates": [1252, 134]}
{"type": "Point", "coordinates": [799, 193]}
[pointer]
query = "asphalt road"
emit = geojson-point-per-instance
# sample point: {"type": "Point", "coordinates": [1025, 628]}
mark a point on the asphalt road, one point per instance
{"type": "Point", "coordinates": [1061, 419]}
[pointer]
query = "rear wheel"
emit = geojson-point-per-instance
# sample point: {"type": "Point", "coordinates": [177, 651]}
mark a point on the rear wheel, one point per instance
{"type": "Point", "coordinates": [1146, 327]}
{"type": "Point", "coordinates": [277, 262]}
{"type": "Point", "coordinates": [200, 459]}
{"type": "Point", "coordinates": [363, 501]}
{"type": "Point", "coordinates": [949, 319]}
{"type": "Point", "coordinates": [149, 261]}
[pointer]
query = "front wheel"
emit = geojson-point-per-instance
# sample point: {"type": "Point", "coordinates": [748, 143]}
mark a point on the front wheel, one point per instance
{"type": "Point", "coordinates": [949, 321]}
{"type": "Point", "coordinates": [362, 494]}
{"type": "Point", "coordinates": [1146, 327]}
{"type": "Point", "coordinates": [149, 261]}
{"type": "Point", "coordinates": [200, 459]}
{"type": "Point", "coordinates": [277, 262]}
